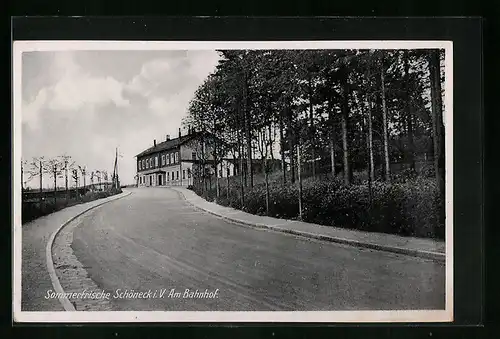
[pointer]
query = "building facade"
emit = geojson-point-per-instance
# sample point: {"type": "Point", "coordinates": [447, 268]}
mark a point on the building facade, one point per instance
{"type": "Point", "coordinates": [177, 162]}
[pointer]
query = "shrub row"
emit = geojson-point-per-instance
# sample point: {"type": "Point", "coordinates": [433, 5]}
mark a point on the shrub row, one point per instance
{"type": "Point", "coordinates": [34, 210]}
{"type": "Point", "coordinates": [408, 207]}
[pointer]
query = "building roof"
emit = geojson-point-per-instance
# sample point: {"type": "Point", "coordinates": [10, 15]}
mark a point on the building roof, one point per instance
{"type": "Point", "coordinates": [169, 144]}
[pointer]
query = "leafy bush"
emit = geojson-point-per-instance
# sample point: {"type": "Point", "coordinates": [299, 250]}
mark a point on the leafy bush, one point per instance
{"type": "Point", "coordinates": [409, 206]}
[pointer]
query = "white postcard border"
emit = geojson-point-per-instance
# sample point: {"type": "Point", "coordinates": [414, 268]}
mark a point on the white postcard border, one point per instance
{"type": "Point", "coordinates": [223, 317]}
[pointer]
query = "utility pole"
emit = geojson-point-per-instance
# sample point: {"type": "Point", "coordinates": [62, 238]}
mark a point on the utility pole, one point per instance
{"type": "Point", "coordinates": [114, 170]}
{"type": "Point", "coordinates": [179, 158]}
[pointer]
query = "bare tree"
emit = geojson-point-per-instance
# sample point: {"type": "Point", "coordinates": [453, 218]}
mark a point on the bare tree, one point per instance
{"type": "Point", "coordinates": [23, 166]}
{"type": "Point", "coordinates": [37, 169]}
{"type": "Point", "coordinates": [27, 173]}
{"type": "Point", "coordinates": [83, 171]}
{"type": "Point", "coordinates": [75, 178]}
{"type": "Point", "coordinates": [438, 130]}
{"type": "Point", "coordinates": [98, 175]}
{"type": "Point", "coordinates": [68, 166]}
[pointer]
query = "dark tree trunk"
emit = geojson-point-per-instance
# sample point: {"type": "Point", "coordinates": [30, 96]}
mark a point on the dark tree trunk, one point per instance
{"type": "Point", "coordinates": [216, 165]}
{"type": "Point", "coordinates": [227, 187]}
{"type": "Point", "coordinates": [332, 140]}
{"type": "Point", "coordinates": [271, 141]}
{"type": "Point", "coordinates": [369, 160]}
{"type": "Point", "coordinates": [282, 148]}
{"type": "Point", "coordinates": [300, 181]}
{"type": "Point", "coordinates": [437, 123]}
{"type": "Point", "coordinates": [409, 118]}
{"type": "Point", "coordinates": [385, 123]}
{"type": "Point", "coordinates": [345, 117]}
{"type": "Point", "coordinates": [242, 181]}
{"type": "Point", "coordinates": [312, 133]}
{"type": "Point", "coordinates": [370, 143]}
{"type": "Point", "coordinates": [291, 144]}
{"type": "Point", "coordinates": [247, 130]}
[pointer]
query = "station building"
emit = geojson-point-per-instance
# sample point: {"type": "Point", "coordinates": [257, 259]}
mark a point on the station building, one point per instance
{"type": "Point", "coordinates": [176, 162]}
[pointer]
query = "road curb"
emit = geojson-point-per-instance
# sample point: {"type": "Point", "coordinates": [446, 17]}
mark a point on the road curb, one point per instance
{"type": "Point", "coordinates": [436, 256]}
{"type": "Point", "coordinates": [67, 305]}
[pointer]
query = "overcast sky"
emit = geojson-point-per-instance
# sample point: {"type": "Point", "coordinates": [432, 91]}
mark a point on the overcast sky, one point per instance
{"type": "Point", "coordinates": [86, 103]}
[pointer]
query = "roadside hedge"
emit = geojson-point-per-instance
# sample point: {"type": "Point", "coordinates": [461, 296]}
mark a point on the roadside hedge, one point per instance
{"type": "Point", "coordinates": [407, 206]}
{"type": "Point", "coordinates": [34, 210]}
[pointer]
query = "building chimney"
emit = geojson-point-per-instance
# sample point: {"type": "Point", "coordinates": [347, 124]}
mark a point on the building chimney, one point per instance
{"type": "Point", "coordinates": [168, 137]}
{"type": "Point", "coordinates": [179, 133]}
{"type": "Point", "coordinates": [154, 142]}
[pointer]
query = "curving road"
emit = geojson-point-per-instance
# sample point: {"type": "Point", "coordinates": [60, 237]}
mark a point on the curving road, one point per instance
{"type": "Point", "coordinates": [154, 240]}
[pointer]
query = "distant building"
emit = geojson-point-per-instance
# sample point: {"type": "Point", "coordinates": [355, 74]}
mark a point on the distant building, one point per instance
{"type": "Point", "coordinates": [179, 161]}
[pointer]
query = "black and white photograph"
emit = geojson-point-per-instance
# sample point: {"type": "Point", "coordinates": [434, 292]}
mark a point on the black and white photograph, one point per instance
{"type": "Point", "coordinates": [189, 181]}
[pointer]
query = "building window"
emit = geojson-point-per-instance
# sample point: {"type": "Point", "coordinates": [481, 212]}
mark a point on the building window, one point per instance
{"type": "Point", "coordinates": [176, 157]}
{"type": "Point", "coordinates": [227, 171]}
{"type": "Point", "coordinates": [171, 158]}
{"type": "Point", "coordinates": [168, 176]}
{"type": "Point", "coordinates": [147, 163]}
{"type": "Point", "coordinates": [139, 165]}
{"type": "Point", "coordinates": [177, 175]}
{"type": "Point", "coordinates": [156, 161]}
{"type": "Point", "coordinates": [163, 160]}
{"type": "Point", "coordinates": [143, 164]}
{"type": "Point", "coordinates": [183, 174]}
{"type": "Point", "coordinates": [193, 155]}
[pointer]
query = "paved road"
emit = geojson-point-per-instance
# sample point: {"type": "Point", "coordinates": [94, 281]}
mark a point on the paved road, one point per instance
{"type": "Point", "coordinates": [154, 240]}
